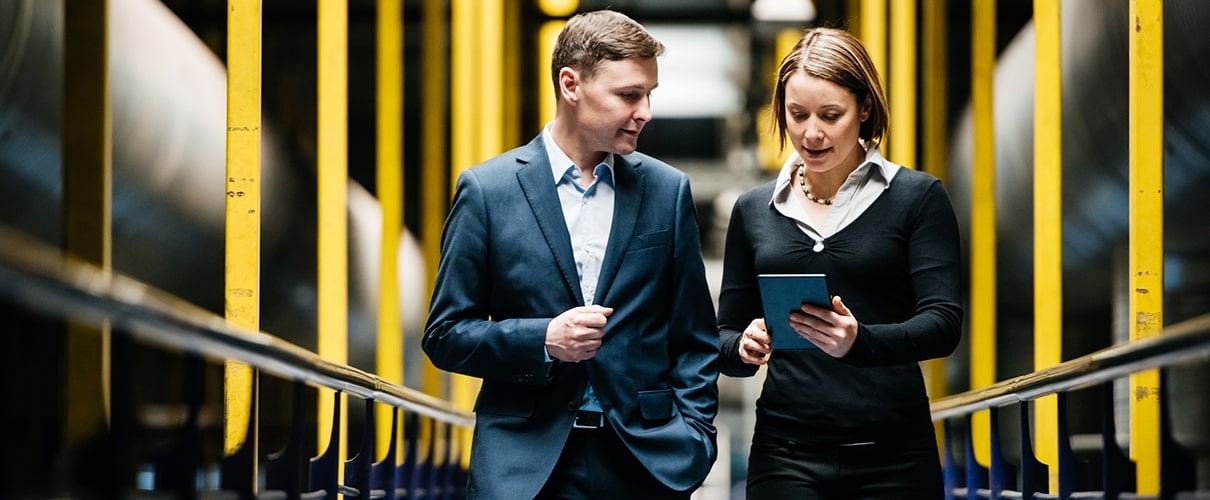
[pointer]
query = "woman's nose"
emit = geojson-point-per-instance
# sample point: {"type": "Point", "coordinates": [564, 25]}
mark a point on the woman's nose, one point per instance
{"type": "Point", "coordinates": [812, 132]}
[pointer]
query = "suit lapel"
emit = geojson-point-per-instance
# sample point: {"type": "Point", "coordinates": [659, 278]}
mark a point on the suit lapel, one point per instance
{"type": "Point", "coordinates": [628, 196]}
{"type": "Point", "coordinates": [539, 188]}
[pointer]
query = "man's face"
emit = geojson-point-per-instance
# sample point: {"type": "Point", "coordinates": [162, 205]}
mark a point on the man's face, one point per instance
{"type": "Point", "coordinates": [615, 104]}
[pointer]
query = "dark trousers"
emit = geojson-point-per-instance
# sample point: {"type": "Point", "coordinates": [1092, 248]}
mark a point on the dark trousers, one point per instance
{"type": "Point", "coordinates": [784, 469]}
{"type": "Point", "coordinates": [596, 464]}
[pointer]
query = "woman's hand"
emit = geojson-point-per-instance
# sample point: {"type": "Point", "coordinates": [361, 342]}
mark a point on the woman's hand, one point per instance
{"type": "Point", "coordinates": [833, 331]}
{"type": "Point", "coordinates": [754, 346]}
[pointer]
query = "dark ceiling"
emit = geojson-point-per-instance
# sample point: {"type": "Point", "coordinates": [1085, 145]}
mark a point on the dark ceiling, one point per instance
{"type": "Point", "coordinates": [289, 48]}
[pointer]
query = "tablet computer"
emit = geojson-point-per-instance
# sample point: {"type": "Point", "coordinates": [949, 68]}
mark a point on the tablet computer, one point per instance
{"type": "Point", "coordinates": [782, 293]}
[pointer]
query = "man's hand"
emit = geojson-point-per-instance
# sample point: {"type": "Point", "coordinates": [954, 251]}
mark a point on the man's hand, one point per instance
{"type": "Point", "coordinates": [575, 335]}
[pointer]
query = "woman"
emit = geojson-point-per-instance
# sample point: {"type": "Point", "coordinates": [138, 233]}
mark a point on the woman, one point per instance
{"type": "Point", "coordinates": [850, 418]}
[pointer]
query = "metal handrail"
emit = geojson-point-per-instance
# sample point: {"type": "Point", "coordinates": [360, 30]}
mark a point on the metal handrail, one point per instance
{"type": "Point", "coordinates": [43, 278]}
{"type": "Point", "coordinates": [1178, 343]}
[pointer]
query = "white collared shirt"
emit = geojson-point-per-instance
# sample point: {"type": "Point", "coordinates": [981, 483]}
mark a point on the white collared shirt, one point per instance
{"type": "Point", "coordinates": [863, 186]}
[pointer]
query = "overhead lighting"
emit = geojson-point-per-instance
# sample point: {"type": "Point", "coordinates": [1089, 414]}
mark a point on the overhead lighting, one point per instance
{"type": "Point", "coordinates": [798, 11]}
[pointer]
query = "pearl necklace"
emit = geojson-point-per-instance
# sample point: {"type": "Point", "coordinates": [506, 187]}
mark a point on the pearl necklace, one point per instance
{"type": "Point", "coordinates": [802, 184]}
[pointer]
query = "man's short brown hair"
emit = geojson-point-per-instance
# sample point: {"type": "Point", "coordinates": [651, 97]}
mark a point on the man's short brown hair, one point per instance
{"type": "Point", "coordinates": [592, 37]}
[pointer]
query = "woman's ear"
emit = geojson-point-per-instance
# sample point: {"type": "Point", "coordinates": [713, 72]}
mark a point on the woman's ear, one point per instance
{"type": "Point", "coordinates": [866, 105]}
{"type": "Point", "coordinates": [569, 83]}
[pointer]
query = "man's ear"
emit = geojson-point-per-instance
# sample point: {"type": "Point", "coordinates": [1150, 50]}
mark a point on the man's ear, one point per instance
{"type": "Point", "coordinates": [569, 83]}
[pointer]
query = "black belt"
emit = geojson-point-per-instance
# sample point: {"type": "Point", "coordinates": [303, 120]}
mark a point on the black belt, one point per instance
{"type": "Point", "coordinates": [588, 420]}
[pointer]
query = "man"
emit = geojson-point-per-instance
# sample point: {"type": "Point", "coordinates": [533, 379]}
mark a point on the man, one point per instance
{"type": "Point", "coordinates": [571, 282]}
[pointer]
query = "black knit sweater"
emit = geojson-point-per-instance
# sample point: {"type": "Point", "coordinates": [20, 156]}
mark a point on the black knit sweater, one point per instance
{"type": "Point", "coordinates": [897, 267]}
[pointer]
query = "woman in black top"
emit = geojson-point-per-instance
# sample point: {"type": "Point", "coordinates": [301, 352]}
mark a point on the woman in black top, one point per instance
{"type": "Point", "coordinates": [849, 419]}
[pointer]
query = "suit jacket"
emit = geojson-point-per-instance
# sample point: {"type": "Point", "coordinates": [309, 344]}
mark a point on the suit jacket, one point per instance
{"type": "Point", "coordinates": [507, 269]}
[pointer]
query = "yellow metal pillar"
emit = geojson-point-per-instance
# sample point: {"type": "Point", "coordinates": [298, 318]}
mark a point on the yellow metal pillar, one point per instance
{"type": "Point", "coordinates": [1048, 225]}
{"type": "Point", "coordinates": [510, 77]}
{"type": "Point", "coordinates": [769, 146]}
{"type": "Point", "coordinates": [243, 192]}
{"type": "Point", "coordinates": [934, 133]}
{"type": "Point", "coordinates": [1146, 229]}
{"type": "Point", "coordinates": [874, 36]}
{"type": "Point", "coordinates": [333, 179]}
{"type": "Point", "coordinates": [547, 34]}
{"type": "Point", "coordinates": [983, 218]}
{"type": "Point", "coordinates": [934, 139]}
{"type": "Point", "coordinates": [87, 149]}
{"type": "Point", "coordinates": [434, 167]}
{"type": "Point", "coordinates": [435, 193]}
{"type": "Point", "coordinates": [477, 111]}
{"type": "Point", "coordinates": [903, 83]}
{"type": "Point", "coordinates": [389, 182]}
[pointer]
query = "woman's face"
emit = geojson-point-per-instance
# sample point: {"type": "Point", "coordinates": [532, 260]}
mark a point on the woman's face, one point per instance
{"type": "Point", "coordinates": [823, 121]}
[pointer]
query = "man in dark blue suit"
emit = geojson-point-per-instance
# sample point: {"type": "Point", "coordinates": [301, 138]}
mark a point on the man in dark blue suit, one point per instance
{"type": "Point", "coordinates": [571, 282]}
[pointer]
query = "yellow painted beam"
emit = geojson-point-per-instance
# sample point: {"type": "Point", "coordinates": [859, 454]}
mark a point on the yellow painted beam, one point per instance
{"type": "Point", "coordinates": [769, 145]}
{"type": "Point", "coordinates": [1146, 229]}
{"type": "Point", "coordinates": [983, 217]}
{"type": "Point", "coordinates": [558, 8]}
{"type": "Point", "coordinates": [547, 35]}
{"type": "Point", "coordinates": [87, 151]}
{"type": "Point", "coordinates": [389, 187]}
{"type": "Point", "coordinates": [852, 9]}
{"type": "Point", "coordinates": [902, 79]}
{"type": "Point", "coordinates": [333, 179]}
{"type": "Point", "coordinates": [465, 78]}
{"type": "Point", "coordinates": [874, 36]}
{"type": "Point", "coordinates": [934, 141]}
{"type": "Point", "coordinates": [1048, 225]}
{"type": "Point", "coordinates": [484, 122]}
{"type": "Point", "coordinates": [435, 192]}
{"type": "Point", "coordinates": [489, 55]}
{"type": "Point", "coordinates": [465, 103]}
{"type": "Point", "coordinates": [935, 131]}
{"type": "Point", "coordinates": [242, 306]}
{"type": "Point", "coordinates": [510, 76]}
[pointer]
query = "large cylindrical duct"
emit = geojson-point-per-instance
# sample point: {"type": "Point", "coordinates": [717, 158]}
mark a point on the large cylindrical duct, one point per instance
{"type": "Point", "coordinates": [169, 131]}
{"type": "Point", "coordinates": [1096, 220]}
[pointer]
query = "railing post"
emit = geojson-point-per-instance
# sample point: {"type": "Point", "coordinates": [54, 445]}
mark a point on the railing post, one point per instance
{"type": "Point", "coordinates": [1001, 475]}
{"type": "Point", "coordinates": [1034, 475]}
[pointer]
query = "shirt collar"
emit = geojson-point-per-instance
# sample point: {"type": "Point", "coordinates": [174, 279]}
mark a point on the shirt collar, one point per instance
{"type": "Point", "coordinates": [873, 161]}
{"type": "Point", "coordinates": [560, 162]}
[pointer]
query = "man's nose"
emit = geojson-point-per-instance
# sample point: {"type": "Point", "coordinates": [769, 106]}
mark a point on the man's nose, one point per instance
{"type": "Point", "coordinates": [643, 113]}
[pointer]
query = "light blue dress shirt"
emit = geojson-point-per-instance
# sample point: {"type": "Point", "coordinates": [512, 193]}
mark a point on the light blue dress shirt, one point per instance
{"type": "Point", "coordinates": [589, 216]}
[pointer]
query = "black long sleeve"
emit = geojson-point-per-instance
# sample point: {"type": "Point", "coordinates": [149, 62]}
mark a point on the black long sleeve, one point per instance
{"type": "Point", "coordinates": [897, 267]}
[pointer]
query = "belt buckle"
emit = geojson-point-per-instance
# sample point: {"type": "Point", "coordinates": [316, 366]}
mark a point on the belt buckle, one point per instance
{"type": "Point", "coordinates": [588, 420]}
